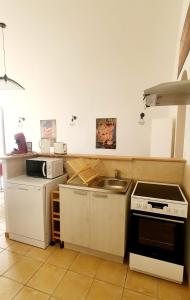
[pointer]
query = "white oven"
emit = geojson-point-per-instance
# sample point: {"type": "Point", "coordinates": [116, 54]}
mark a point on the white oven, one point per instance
{"type": "Point", "coordinates": [157, 229]}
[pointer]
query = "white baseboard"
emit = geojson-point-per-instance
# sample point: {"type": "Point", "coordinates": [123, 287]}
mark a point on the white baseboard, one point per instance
{"type": "Point", "coordinates": [27, 240]}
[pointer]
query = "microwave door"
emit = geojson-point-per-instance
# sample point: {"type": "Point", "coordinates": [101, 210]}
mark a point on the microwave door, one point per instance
{"type": "Point", "coordinates": [36, 168]}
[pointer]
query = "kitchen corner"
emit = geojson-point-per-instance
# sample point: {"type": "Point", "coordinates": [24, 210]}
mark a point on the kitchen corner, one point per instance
{"type": "Point", "coordinates": [95, 150]}
{"type": "Point", "coordinates": [136, 168]}
{"type": "Point", "coordinates": [93, 212]}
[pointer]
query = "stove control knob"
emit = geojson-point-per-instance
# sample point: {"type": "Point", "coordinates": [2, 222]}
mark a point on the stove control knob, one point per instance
{"type": "Point", "coordinates": [149, 206]}
{"type": "Point", "coordinates": [168, 210]}
{"type": "Point", "coordinates": [144, 206]}
{"type": "Point", "coordinates": [176, 212]}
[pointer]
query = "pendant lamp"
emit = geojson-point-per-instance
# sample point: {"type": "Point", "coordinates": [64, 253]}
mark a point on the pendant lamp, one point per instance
{"type": "Point", "coordinates": [5, 82]}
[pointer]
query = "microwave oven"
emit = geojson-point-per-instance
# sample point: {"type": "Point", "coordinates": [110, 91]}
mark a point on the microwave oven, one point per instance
{"type": "Point", "coordinates": [45, 167]}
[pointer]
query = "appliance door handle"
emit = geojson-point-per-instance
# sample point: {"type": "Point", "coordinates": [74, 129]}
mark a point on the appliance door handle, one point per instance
{"type": "Point", "coordinates": [43, 169]}
{"type": "Point", "coordinates": [100, 195]}
{"type": "Point", "coordinates": [158, 218]}
{"type": "Point", "coordinates": [81, 193]}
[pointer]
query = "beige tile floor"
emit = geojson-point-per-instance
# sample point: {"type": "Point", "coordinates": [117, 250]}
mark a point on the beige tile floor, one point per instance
{"type": "Point", "coordinates": [28, 273]}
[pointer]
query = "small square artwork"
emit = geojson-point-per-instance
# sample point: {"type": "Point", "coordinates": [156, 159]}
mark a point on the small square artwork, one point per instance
{"type": "Point", "coordinates": [106, 133]}
{"type": "Point", "coordinates": [48, 129]}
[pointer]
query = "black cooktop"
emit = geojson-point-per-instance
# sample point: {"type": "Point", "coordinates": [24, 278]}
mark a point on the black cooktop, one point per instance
{"type": "Point", "coordinates": [160, 191]}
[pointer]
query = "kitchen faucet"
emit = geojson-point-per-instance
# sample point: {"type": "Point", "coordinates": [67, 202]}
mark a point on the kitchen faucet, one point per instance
{"type": "Point", "coordinates": [117, 173]}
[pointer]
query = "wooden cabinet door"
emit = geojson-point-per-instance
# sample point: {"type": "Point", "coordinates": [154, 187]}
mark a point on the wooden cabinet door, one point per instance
{"type": "Point", "coordinates": [108, 214]}
{"type": "Point", "coordinates": [74, 216]}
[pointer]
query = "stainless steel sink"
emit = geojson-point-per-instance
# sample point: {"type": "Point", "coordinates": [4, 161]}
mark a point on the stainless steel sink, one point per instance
{"type": "Point", "coordinates": [113, 184]}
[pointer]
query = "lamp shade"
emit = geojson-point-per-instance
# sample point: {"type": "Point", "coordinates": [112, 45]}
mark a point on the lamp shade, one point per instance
{"type": "Point", "coordinates": [9, 84]}
{"type": "Point", "coordinates": [5, 82]}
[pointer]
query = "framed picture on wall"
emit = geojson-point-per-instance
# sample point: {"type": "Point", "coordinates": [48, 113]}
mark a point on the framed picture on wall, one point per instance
{"type": "Point", "coordinates": [106, 133]}
{"type": "Point", "coordinates": [48, 129]}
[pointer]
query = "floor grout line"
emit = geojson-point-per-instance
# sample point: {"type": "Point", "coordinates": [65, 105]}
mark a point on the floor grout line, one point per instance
{"type": "Point", "coordinates": [86, 296]}
{"type": "Point", "coordinates": [35, 289]}
{"type": "Point", "coordinates": [58, 284]}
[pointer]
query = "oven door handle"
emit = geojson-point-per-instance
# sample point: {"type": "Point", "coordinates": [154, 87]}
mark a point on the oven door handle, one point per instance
{"type": "Point", "coordinates": [158, 218]}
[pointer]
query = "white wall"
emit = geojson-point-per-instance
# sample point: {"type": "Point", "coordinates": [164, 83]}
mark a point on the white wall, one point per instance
{"type": "Point", "coordinates": [90, 58]}
{"type": "Point", "coordinates": [161, 141]}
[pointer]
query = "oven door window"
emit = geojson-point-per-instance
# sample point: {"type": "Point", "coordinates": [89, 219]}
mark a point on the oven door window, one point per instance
{"type": "Point", "coordinates": [157, 234]}
{"type": "Point", "coordinates": [154, 236]}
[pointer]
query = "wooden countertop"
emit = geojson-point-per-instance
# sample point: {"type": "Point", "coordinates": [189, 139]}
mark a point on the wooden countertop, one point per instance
{"type": "Point", "coordinates": [114, 157]}
{"type": "Point", "coordinates": [16, 156]}
{"type": "Point", "coordinates": [94, 156]}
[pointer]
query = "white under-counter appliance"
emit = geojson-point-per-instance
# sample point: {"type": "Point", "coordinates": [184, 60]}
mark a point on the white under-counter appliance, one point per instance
{"type": "Point", "coordinates": [28, 208]}
{"type": "Point", "coordinates": [46, 167]}
{"type": "Point", "coordinates": [157, 229]}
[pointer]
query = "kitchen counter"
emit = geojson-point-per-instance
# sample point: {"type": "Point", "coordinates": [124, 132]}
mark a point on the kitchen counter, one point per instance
{"type": "Point", "coordinates": [93, 156]}
{"type": "Point", "coordinates": [19, 156]}
{"type": "Point", "coordinates": [113, 157]}
{"type": "Point", "coordinates": [33, 181]}
{"type": "Point", "coordinates": [138, 168]}
{"type": "Point", "coordinates": [96, 186]}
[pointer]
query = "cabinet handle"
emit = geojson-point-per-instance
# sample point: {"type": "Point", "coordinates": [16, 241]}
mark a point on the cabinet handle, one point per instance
{"type": "Point", "coordinates": [102, 195]}
{"type": "Point", "coordinates": [82, 193]}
